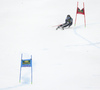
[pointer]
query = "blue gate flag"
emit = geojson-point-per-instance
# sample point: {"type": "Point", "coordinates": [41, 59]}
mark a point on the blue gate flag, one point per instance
{"type": "Point", "coordinates": [26, 63]}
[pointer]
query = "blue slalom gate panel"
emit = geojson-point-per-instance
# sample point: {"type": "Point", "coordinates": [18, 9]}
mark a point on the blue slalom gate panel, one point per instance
{"type": "Point", "coordinates": [26, 63]}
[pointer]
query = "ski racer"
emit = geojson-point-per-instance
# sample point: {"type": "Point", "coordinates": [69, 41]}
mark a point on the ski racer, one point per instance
{"type": "Point", "coordinates": [68, 22]}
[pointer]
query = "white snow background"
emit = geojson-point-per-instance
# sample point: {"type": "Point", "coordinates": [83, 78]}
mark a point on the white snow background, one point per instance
{"type": "Point", "coordinates": [62, 59]}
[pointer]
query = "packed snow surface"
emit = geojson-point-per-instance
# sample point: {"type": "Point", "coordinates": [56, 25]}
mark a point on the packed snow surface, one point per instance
{"type": "Point", "coordinates": [62, 59]}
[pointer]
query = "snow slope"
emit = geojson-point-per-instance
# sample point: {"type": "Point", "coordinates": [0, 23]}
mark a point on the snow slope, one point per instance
{"type": "Point", "coordinates": [62, 59]}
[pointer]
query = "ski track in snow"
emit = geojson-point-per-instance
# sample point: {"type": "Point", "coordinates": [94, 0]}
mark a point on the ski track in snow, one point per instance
{"type": "Point", "coordinates": [8, 88]}
{"type": "Point", "coordinates": [26, 81]}
{"type": "Point", "coordinates": [90, 43]}
{"type": "Point", "coordinates": [84, 45]}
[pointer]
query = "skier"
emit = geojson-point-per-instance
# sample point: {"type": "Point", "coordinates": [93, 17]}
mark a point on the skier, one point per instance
{"type": "Point", "coordinates": [68, 22]}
